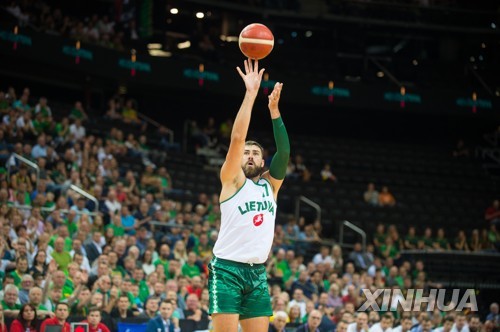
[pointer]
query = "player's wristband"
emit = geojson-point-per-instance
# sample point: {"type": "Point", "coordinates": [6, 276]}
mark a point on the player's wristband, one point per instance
{"type": "Point", "coordinates": [279, 163]}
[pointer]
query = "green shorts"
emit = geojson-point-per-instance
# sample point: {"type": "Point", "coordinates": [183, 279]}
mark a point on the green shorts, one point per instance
{"type": "Point", "coordinates": [238, 288]}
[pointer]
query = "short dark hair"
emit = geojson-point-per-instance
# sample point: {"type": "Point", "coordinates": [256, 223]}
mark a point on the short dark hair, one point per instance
{"type": "Point", "coordinates": [257, 145]}
{"type": "Point", "coordinates": [123, 295]}
{"type": "Point", "coordinates": [167, 301]}
{"type": "Point", "coordinates": [62, 303]}
{"type": "Point", "coordinates": [93, 309]}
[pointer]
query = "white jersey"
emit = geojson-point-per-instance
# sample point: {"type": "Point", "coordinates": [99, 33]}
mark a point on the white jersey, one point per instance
{"type": "Point", "coordinates": [247, 225]}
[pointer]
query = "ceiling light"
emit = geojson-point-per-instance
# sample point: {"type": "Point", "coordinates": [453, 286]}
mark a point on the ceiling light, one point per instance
{"type": "Point", "coordinates": [174, 11]}
{"type": "Point", "coordinates": [200, 15]}
{"type": "Point", "coordinates": [154, 46]}
{"type": "Point", "coordinates": [483, 45]}
{"type": "Point", "coordinates": [415, 62]}
{"type": "Point", "coordinates": [472, 59]}
{"type": "Point", "coordinates": [493, 25]}
{"type": "Point", "coordinates": [183, 45]}
{"type": "Point", "coordinates": [160, 53]}
{"type": "Point", "coordinates": [229, 39]}
{"type": "Point", "coordinates": [308, 33]}
{"type": "Point", "coordinates": [380, 74]}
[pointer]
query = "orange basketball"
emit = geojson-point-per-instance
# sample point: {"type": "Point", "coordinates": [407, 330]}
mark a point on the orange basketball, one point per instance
{"type": "Point", "coordinates": [256, 41]}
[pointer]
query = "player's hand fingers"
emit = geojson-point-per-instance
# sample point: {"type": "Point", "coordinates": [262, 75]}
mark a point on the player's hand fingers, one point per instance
{"type": "Point", "coordinates": [240, 72]}
{"type": "Point", "coordinates": [246, 67]}
{"type": "Point", "coordinates": [256, 66]}
{"type": "Point", "coordinates": [261, 73]}
{"type": "Point", "coordinates": [250, 65]}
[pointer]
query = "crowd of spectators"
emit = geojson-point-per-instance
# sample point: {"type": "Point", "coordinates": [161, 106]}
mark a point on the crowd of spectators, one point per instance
{"type": "Point", "coordinates": [64, 257]}
{"type": "Point", "coordinates": [105, 30]}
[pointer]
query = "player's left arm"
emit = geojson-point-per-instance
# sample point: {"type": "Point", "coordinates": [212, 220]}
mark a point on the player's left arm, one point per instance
{"type": "Point", "coordinates": [279, 163]}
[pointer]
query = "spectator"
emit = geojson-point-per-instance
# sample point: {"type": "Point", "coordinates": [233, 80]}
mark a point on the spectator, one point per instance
{"type": "Point", "coordinates": [475, 242]}
{"type": "Point", "coordinates": [94, 321]}
{"type": "Point", "coordinates": [460, 323]}
{"type": "Point", "coordinates": [494, 315]}
{"type": "Point", "coordinates": [27, 283]}
{"type": "Point", "coordinates": [406, 325]}
{"type": "Point", "coordinates": [22, 266]}
{"type": "Point", "coordinates": [327, 175]}
{"type": "Point", "coordinates": [3, 326]}
{"type": "Point", "coordinates": [440, 242]}
{"type": "Point", "coordinates": [461, 150]}
{"type": "Point", "coordinates": [385, 198]}
{"type": "Point", "coordinates": [279, 322]}
{"type": "Point", "coordinates": [300, 169]}
{"type": "Point", "coordinates": [10, 301]}
{"type": "Point", "coordinates": [112, 112]}
{"type": "Point", "coordinates": [151, 306]}
{"type": "Point", "coordinates": [494, 237]}
{"type": "Point", "coordinates": [313, 322]}
{"type": "Point", "coordinates": [474, 323]}
{"type": "Point", "coordinates": [195, 312]}
{"type": "Point", "coordinates": [77, 132]}
{"type": "Point", "coordinates": [385, 324]}
{"type": "Point", "coordinates": [129, 112]}
{"type": "Point", "coordinates": [359, 258]}
{"type": "Point", "coordinates": [60, 254]}
{"type": "Point", "coordinates": [26, 320]}
{"type": "Point", "coordinates": [371, 195]}
{"type": "Point", "coordinates": [411, 240]}
{"type": "Point", "coordinates": [43, 108]}
{"type": "Point", "coordinates": [40, 149]}
{"type": "Point", "coordinates": [165, 320]}
{"type": "Point", "coordinates": [122, 310]}
{"type": "Point", "coordinates": [461, 241]}
{"type": "Point", "coordinates": [298, 296]}
{"type": "Point", "coordinates": [323, 256]}
{"type": "Point", "coordinates": [492, 214]}
{"type": "Point", "coordinates": [78, 113]}
{"type": "Point", "coordinates": [427, 240]}
{"type": "Point", "coordinates": [61, 315]}
{"type": "Point", "coordinates": [361, 323]}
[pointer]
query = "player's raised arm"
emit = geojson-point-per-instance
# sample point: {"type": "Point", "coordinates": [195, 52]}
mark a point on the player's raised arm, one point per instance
{"type": "Point", "coordinates": [277, 169]}
{"type": "Point", "coordinates": [231, 172]}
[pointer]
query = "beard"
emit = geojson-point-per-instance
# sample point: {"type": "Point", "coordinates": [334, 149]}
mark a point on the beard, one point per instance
{"type": "Point", "coordinates": [252, 171]}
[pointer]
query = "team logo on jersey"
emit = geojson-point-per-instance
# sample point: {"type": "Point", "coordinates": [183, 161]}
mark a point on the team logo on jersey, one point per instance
{"type": "Point", "coordinates": [258, 219]}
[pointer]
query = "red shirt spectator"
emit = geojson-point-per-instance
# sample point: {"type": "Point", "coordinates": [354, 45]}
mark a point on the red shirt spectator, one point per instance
{"type": "Point", "coordinates": [492, 213]}
{"type": "Point", "coordinates": [54, 321]}
{"type": "Point", "coordinates": [17, 326]}
{"type": "Point", "coordinates": [99, 327]}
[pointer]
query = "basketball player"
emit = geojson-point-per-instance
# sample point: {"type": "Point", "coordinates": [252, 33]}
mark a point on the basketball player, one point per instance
{"type": "Point", "coordinates": [237, 281]}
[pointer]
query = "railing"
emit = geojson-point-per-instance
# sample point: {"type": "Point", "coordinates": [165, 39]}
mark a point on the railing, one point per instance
{"type": "Point", "coordinates": [27, 162]}
{"type": "Point", "coordinates": [157, 125]}
{"type": "Point", "coordinates": [87, 195]}
{"type": "Point", "coordinates": [354, 228]}
{"type": "Point", "coordinates": [308, 202]}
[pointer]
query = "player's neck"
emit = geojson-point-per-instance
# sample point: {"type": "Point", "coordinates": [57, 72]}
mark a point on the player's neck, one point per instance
{"type": "Point", "coordinates": [254, 179]}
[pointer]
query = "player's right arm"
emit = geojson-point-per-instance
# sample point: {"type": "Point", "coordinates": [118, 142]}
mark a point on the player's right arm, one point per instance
{"type": "Point", "coordinates": [232, 176]}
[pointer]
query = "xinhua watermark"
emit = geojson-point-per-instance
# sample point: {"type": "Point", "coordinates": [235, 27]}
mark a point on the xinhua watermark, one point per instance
{"type": "Point", "coordinates": [442, 299]}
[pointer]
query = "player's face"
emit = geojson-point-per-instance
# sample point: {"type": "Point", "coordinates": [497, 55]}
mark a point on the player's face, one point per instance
{"type": "Point", "coordinates": [253, 162]}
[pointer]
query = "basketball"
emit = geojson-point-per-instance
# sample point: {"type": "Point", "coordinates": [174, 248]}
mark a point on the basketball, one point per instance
{"type": "Point", "coordinates": [256, 41]}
